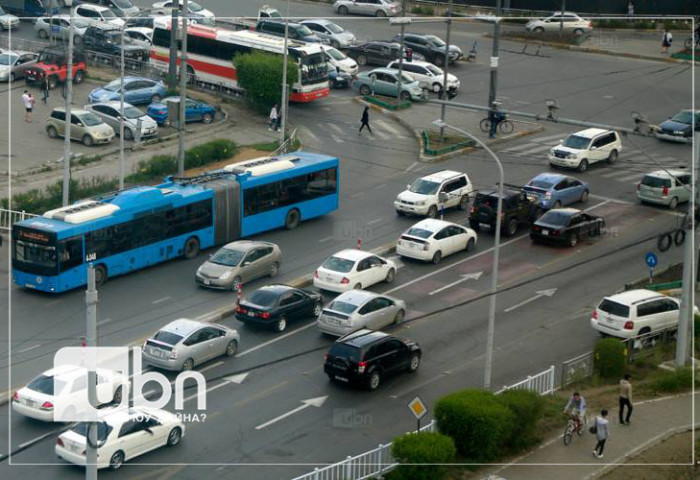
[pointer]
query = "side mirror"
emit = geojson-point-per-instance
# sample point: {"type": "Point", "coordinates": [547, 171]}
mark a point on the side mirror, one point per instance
{"type": "Point", "coordinates": [594, 148]}
{"type": "Point", "coordinates": [443, 197]}
{"type": "Point", "coordinates": [147, 429]}
{"type": "Point", "coordinates": [408, 186]}
{"type": "Point", "coordinates": [561, 141]}
{"type": "Point", "coordinates": [245, 264]}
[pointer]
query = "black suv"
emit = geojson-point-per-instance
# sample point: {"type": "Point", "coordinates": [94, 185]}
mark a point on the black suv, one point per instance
{"type": "Point", "coordinates": [431, 47]}
{"type": "Point", "coordinates": [107, 40]}
{"type": "Point", "coordinates": [378, 53]}
{"type": "Point", "coordinates": [518, 209]}
{"type": "Point", "coordinates": [366, 356]}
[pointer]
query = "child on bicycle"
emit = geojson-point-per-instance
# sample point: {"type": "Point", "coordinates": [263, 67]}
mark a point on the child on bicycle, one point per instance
{"type": "Point", "coordinates": [578, 407]}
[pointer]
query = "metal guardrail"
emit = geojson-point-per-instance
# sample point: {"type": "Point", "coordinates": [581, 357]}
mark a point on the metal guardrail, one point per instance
{"type": "Point", "coordinates": [644, 345]}
{"type": "Point", "coordinates": [379, 460]}
{"type": "Point", "coordinates": [10, 217]}
{"type": "Point", "coordinates": [577, 369]}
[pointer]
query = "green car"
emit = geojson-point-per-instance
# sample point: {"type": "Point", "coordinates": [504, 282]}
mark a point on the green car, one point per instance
{"type": "Point", "coordinates": [385, 81]}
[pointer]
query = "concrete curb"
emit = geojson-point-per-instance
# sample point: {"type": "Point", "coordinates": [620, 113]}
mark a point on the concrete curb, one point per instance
{"type": "Point", "coordinates": [389, 114]}
{"type": "Point", "coordinates": [219, 314]}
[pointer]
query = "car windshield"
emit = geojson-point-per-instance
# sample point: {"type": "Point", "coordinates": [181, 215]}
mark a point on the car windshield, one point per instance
{"type": "Point", "coordinates": [123, 3]}
{"type": "Point", "coordinates": [334, 28]}
{"type": "Point", "coordinates": [264, 298]}
{"type": "Point", "coordinates": [46, 384]}
{"type": "Point", "coordinates": [543, 184]}
{"type": "Point", "coordinates": [227, 257]}
{"type": "Point", "coordinates": [103, 430]}
{"type": "Point", "coordinates": [108, 14]}
{"type": "Point", "coordinates": [656, 182]}
{"type": "Point", "coordinates": [132, 112]}
{"type": "Point", "coordinates": [424, 187]}
{"type": "Point", "coordinates": [434, 70]}
{"type": "Point", "coordinates": [419, 232]}
{"type": "Point", "coordinates": [335, 54]}
{"type": "Point", "coordinates": [337, 264]}
{"type": "Point", "coordinates": [576, 142]}
{"type": "Point", "coordinates": [194, 7]}
{"type": "Point", "coordinates": [683, 117]}
{"type": "Point", "coordinates": [112, 86]}
{"type": "Point", "coordinates": [342, 307]}
{"type": "Point", "coordinates": [90, 119]}
{"type": "Point", "coordinates": [167, 337]}
{"type": "Point", "coordinates": [7, 59]}
{"type": "Point", "coordinates": [437, 41]}
{"type": "Point", "coordinates": [406, 78]}
{"type": "Point", "coordinates": [304, 31]}
{"type": "Point", "coordinates": [614, 308]}
{"type": "Point", "coordinates": [553, 217]}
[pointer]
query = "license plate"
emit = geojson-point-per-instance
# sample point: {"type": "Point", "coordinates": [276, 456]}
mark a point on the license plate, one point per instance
{"type": "Point", "coordinates": [29, 403]}
{"type": "Point", "coordinates": [156, 352]}
{"type": "Point", "coordinates": [414, 245]}
{"type": "Point", "coordinates": [207, 282]}
{"type": "Point", "coordinates": [484, 225]}
{"type": "Point", "coordinates": [545, 232]}
{"type": "Point", "coordinates": [342, 379]}
{"type": "Point", "coordinates": [328, 279]}
{"type": "Point", "coordinates": [31, 77]}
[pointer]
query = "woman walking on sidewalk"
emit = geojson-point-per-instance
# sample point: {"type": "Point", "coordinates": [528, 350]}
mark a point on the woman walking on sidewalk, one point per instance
{"type": "Point", "coordinates": [666, 41]}
{"type": "Point", "coordinates": [601, 433]}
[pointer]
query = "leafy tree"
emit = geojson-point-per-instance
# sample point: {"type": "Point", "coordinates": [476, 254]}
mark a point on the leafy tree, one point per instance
{"type": "Point", "coordinates": [260, 75]}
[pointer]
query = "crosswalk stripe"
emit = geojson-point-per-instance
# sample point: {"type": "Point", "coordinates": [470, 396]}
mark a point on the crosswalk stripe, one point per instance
{"type": "Point", "coordinates": [386, 126]}
{"type": "Point", "coordinates": [308, 133]}
{"type": "Point", "coordinates": [384, 135]}
{"type": "Point", "coordinates": [637, 176]}
{"type": "Point", "coordinates": [549, 137]}
{"type": "Point", "coordinates": [537, 149]}
{"type": "Point", "coordinates": [337, 139]}
{"type": "Point", "coordinates": [336, 128]}
{"type": "Point", "coordinates": [613, 173]}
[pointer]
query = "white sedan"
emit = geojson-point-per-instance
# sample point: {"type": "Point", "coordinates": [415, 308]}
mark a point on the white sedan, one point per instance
{"type": "Point", "coordinates": [122, 434]}
{"type": "Point", "coordinates": [38, 399]}
{"type": "Point", "coordinates": [432, 239]}
{"type": "Point", "coordinates": [198, 14]}
{"type": "Point", "coordinates": [353, 269]}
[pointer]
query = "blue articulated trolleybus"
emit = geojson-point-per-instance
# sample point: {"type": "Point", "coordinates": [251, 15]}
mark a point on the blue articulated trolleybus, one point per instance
{"type": "Point", "coordinates": [141, 226]}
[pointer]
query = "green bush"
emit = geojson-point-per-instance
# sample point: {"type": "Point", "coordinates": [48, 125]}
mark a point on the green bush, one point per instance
{"type": "Point", "coordinates": [424, 447]}
{"type": "Point", "coordinates": [609, 358]}
{"type": "Point", "coordinates": [477, 421]}
{"type": "Point", "coordinates": [40, 201]}
{"type": "Point", "coordinates": [566, 37]}
{"type": "Point", "coordinates": [260, 75]}
{"type": "Point", "coordinates": [674, 381]}
{"type": "Point", "coordinates": [210, 152]}
{"type": "Point", "coordinates": [423, 10]}
{"type": "Point", "coordinates": [528, 407]}
{"type": "Point", "coordinates": [636, 24]}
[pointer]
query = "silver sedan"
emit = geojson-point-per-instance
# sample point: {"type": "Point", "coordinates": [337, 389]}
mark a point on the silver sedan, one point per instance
{"type": "Point", "coordinates": [239, 262]}
{"type": "Point", "coordinates": [14, 64]}
{"type": "Point", "coordinates": [358, 309]}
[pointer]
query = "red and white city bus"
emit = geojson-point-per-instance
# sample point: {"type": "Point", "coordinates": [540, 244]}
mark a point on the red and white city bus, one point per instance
{"type": "Point", "coordinates": [210, 53]}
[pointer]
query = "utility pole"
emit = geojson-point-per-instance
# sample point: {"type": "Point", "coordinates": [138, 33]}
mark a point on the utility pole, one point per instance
{"type": "Point", "coordinates": [183, 93]}
{"type": "Point", "coordinates": [403, 30]}
{"type": "Point", "coordinates": [172, 61]}
{"type": "Point", "coordinates": [561, 20]}
{"type": "Point", "coordinates": [685, 318]}
{"type": "Point", "coordinates": [284, 108]}
{"type": "Point", "coordinates": [67, 122]}
{"type": "Point", "coordinates": [90, 343]}
{"type": "Point", "coordinates": [447, 62]}
{"type": "Point", "coordinates": [121, 112]}
{"type": "Point", "coordinates": [494, 61]}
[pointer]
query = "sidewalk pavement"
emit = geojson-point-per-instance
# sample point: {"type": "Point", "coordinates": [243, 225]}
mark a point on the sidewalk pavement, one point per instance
{"type": "Point", "coordinates": [652, 421]}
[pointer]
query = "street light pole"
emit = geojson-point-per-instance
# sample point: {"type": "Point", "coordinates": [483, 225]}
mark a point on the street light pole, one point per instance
{"type": "Point", "coordinates": [172, 60]}
{"type": "Point", "coordinates": [183, 93]}
{"type": "Point", "coordinates": [91, 342]}
{"type": "Point", "coordinates": [67, 121]}
{"type": "Point", "coordinates": [121, 112]}
{"type": "Point", "coordinates": [496, 250]}
{"type": "Point", "coordinates": [447, 62]}
{"type": "Point", "coordinates": [403, 30]}
{"type": "Point", "coordinates": [285, 89]}
{"type": "Point", "coordinates": [494, 63]}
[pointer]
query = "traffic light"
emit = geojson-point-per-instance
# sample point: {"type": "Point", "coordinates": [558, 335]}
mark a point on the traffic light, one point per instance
{"type": "Point", "coordinates": [409, 55]}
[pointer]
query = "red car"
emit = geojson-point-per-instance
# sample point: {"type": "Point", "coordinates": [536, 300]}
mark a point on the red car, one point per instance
{"type": "Point", "coordinates": [53, 62]}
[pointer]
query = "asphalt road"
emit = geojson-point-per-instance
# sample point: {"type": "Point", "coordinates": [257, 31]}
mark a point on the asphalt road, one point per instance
{"type": "Point", "coordinates": [375, 168]}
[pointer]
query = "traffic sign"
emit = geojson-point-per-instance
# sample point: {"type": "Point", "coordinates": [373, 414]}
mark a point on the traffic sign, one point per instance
{"type": "Point", "coordinates": [651, 259]}
{"type": "Point", "coordinates": [417, 408]}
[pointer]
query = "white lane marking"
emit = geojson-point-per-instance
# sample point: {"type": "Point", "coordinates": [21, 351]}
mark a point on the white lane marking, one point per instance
{"type": "Point", "coordinates": [459, 262]}
{"type": "Point", "coordinates": [397, 260]}
{"type": "Point", "coordinates": [308, 132]}
{"type": "Point", "coordinates": [376, 220]}
{"type": "Point", "coordinates": [336, 128]}
{"type": "Point", "coordinates": [357, 195]}
{"type": "Point", "coordinates": [381, 185]}
{"type": "Point", "coordinates": [531, 151]}
{"type": "Point", "coordinates": [29, 348]}
{"type": "Point", "coordinates": [537, 296]}
{"type": "Point", "coordinates": [275, 340]}
{"type": "Point", "coordinates": [325, 239]}
{"type": "Point", "coordinates": [519, 148]}
{"type": "Point", "coordinates": [630, 177]}
{"type": "Point", "coordinates": [549, 137]}
{"type": "Point", "coordinates": [411, 167]}
{"type": "Point", "coordinates": [337, 139]}
{"type": "Point", "coordinates": [465, 277]}
{"type": "Point", "coordinates": [311, 402]}
{"type": "Point", "coordinates": [233, 379]}
{"type": "Point", "coordinates": [209, 367]}
{"type": "Point", "coordinates": [106, 320]}
{"type": "Point", "coordinates": [615, 173]}
{"type": "Point", "coordinates": [160, 300]}
{"type": "Point", "coordinates": [388, 127]}
{"type": "Point", "coordinates": [383, 135]}
{"type": "Point", "coordinates": [611, 200]}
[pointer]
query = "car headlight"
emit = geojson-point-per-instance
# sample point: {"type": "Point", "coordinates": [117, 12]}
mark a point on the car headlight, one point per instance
{"type": "Point", "coordinates": [225, 276]}
{"type": "Point", "coordinates": [3, 75]}
{"type": "Point", "coordinates": [420, 202]}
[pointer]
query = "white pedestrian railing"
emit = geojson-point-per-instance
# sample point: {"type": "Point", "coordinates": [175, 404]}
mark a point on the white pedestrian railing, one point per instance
{"type": "Point", "coordinates": [284, 148]}
{"type": "Point", "coordinates": [379, 461]}
{"type": "Point", "coordinates": [8, 217]}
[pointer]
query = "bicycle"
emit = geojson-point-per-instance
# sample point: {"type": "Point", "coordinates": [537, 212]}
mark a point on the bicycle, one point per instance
{"type": "Point", "coordinates": [505, 126]}
{"type": "Point", "coordinates": [574, 425]}
{"type": "Point", "coordinates": [692, 42]}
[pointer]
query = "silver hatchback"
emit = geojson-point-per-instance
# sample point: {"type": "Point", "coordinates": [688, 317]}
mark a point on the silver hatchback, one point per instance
{"type": "Point", "coordinates": [358, 309]}
{"type": "Point", "coordinates": [136, 123]}
{"type": "Point", "coordinates": [183, 343]}
{"type": "Point", "coordinates": [239, 262]}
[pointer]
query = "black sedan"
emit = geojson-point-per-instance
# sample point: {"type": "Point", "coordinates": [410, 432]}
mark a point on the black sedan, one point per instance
{"type": "Point", "coordinates": [339, 79]}
{"type": "Point", "coordinates": [378, 53]}
{"type": "Point", "coordinates": [567, 226]}
{"type": "Point", "coordinates": [275, 305]}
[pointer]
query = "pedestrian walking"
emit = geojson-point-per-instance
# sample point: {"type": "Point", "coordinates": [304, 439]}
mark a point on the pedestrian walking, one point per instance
{"type": "Point", "coordinates": [666, 41]}
{"type": "Point", "coordinates": [273, 119]}
{"type": "Point", "coordinates": [601, 433]}
{"type": "Point", "coordinates": [625, 399]}
{"type": "Point", "coordinates": [279, 121]}
{"type": "Point", "coordinates": [28, 102]}
{"type": "Point", "coordinates": [364, 121]}
{"type": "Point", "coordinates": [45, 90]}
{"type": "Point", "coordinates": [630, 8]}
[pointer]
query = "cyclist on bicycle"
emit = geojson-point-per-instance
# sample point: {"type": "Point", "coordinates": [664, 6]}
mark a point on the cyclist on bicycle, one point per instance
{"type": "Point", "coordinates": [578, 407]}
{"type": "Point", "coordinates": [496, 117]}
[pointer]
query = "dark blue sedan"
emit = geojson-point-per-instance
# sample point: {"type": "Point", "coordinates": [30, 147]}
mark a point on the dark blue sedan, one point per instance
{"type": "Point", "coordinates": [553, 190]}
{"type": "Point", "coordinates": [194, 111]}
{"type": "Point", "coordinates": [339, 79]}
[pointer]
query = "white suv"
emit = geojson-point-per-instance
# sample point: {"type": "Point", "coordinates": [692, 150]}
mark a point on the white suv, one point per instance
{"type": "Point", "coordinates": [428, 194]}
{"type": "Point", "coordinates": [96, 14]}
{"type": "Point", "coordinates": [428, 75]}
{"type": "Point", "coordinates": [583, 148]}
{"type": "Point", "coordinates": [634, 313]}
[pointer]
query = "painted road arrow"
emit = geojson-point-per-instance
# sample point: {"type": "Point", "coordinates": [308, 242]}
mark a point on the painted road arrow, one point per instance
{"type": "Point", "coordinates": [542, 293]}
{"type": "Point", "coordinates": [466, 276]}
{"type": "Point", "coordinates": [237, 379]}
{"type": "Point", "coordinates": [311, 402]}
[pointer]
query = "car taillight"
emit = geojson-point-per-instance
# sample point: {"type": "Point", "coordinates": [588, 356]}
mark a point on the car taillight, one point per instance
{"type": "Point", "coordinates": [240, 309]}
{"type": "Point", "coordinates": [59, 442]}
{"type": "Point", "coordinates": [535, 228]}
{"type": "Point", "coordinates": [15, 397]}
{"type": "Point", "coordinates": [548, 196]}
{"type": "Point", "coordinates": [47, 406]}
{"type": "Point", "coordinates": [361, 367]}
{"type": "Point", "coordinates": [345, 280]}
{"type": "Point", "coordinates": [555, 233]}
{"type": "Point", "coordinates": [595, 315]}
{"type": "Point", "coordinates": [265, 315]}
{"type": "Point", "coordinates": [473, 209]}
{"type": "Point", "coordinates": [316, 274]}
{"type": "Point", "coordinates": [325, 357]}
{"type": "Point", "coordinates": [665, 191]}
{"type": "Point", "coordinates": [629, 326]}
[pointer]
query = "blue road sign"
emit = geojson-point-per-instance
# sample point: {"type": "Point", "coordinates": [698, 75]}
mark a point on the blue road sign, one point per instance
{"type": "Point", "coordinates": [651, 259]}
